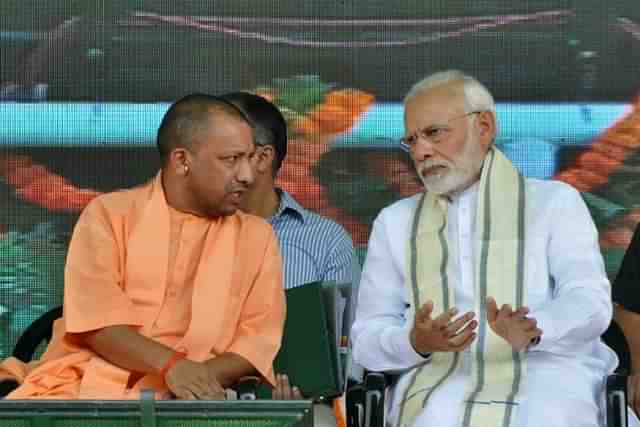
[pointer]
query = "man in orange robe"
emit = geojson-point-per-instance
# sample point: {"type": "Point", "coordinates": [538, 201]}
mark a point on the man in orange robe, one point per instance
{"type": "Point", "coordinates": [167, 285]}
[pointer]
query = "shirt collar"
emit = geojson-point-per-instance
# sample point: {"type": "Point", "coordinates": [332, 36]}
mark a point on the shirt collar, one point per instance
{"type": "Point", "coordinates": [288, 206]}
{"type": "Point", "coordinates": [470, 193]}
{"type": "Point", "coordinates": [473, 188]}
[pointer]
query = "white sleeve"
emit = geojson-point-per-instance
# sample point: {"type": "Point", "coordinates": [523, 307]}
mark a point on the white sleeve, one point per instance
{"type": "Point", "coordinates": [580, 309]}
{"type": "Point", "coordinates": [380, 334]}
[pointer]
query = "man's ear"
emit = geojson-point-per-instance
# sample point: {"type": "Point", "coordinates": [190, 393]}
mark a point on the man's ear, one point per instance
{"type": "Point", "coordinates": [179, 161]}
{"type": "Point", "coordinates": [266, 154]}
{"type": "Point", "coordinates": [488, 127]}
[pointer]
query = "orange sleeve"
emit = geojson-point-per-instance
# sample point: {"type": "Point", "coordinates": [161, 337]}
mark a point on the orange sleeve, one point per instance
{"type": "Point", "coordinates": [94, 297]}
{"type": "Point", "coordinates": [259, 333]}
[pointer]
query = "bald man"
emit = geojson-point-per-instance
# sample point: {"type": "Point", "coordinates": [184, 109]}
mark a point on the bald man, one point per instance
{"type": "Point", "coordinates": [168, 286]}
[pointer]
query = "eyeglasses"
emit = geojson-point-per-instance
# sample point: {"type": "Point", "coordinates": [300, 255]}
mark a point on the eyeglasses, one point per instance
{"type": "Point", "coordinates": [435, 134]}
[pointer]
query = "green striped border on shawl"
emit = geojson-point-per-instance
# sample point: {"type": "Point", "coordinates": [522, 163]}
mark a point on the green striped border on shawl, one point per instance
{"type": "Point", "coordinates": [517, 357]}
{"type": "Point", "coordinates": [410, 391]}
{"type": "Point", "coordinates": [483, 324]}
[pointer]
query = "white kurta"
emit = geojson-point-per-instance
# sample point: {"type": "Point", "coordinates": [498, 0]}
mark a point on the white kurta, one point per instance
{"type": "Point", "coordinates": [567, 291]}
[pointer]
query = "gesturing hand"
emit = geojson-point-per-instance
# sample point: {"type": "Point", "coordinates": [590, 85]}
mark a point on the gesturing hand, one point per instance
{"type": "Point", "coordinates": [190, 380]}
{"type": "Point", "coordinates": [514, 326]}
{"type": "Point", "coordinates": [441, 334]}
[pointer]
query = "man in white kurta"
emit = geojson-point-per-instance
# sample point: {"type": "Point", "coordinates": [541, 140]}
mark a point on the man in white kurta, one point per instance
{"type": "Point", "coordinates": [566, 288]}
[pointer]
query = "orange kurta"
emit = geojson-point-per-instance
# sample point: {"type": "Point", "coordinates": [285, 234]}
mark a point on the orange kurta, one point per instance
{"type": "Point", "coordinates": [197, 285]}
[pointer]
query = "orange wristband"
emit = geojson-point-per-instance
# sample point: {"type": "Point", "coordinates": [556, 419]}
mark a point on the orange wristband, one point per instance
{"type": "Point", "coordinates": [175, 358]}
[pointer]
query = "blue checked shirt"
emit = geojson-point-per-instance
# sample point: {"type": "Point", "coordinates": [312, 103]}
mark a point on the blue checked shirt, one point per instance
{"type": "Point", "coordinates": [313, 248]}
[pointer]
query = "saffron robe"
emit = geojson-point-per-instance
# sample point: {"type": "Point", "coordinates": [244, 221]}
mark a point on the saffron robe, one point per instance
{"type": "Point", "coordinates": [198, 285]}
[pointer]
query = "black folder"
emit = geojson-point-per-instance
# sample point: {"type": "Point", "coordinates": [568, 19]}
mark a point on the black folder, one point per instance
{"type": "Point", "coordinates": [309, 354]}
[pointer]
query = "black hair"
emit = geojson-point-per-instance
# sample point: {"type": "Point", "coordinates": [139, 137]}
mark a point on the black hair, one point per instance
{"type": "Point", "coordinates": [270, 127]}
{"type": "Point", "coordinates": [187, 117]}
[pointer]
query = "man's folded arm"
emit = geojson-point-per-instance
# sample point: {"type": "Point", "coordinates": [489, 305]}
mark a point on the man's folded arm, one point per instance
{"type": "Point", "coordinates": [123, 346]}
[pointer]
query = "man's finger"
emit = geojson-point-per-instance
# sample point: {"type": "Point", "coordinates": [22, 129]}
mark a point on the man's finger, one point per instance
{"type": "Point", "coordinates": [535, 333]}
{"type": "Point", "coordinates": [212, 395]}
{"type": "Point", "coordinates": [216, 386]}
{"type": "Point", "coordinates": [185, 394]}
{"type": "Point", "coordinates": [286, 388]}
{"type": "Point", "coordinates": [528, 324]}
{"type": "Point", "coordinates": [492, 310]}
{"type": "Point", "coordinates": [505, 312]}
{"type": "Point", "coordinates": [277, 391]}
{"type": "Point", "coordinates": [425, 312]}
{"type": "Point", "coordinates": [521, 312]}
{"type": "Point", "coordinates": [219, 395]}
{"type": "Point", "coordinates": [212, 390]}
{"type": "Point", "coordinates": [442, 321]}
{"type": "Point", "coordinates": [460, 338]}
{"type": "Point", "coordinates": [205, 389]}
{"type": "Point", "coordinates": [297, 394]}
{"type": "Point", "coordinates": [454, 327]}
{"type": "Point", "coordinates": [198, 388]}
{"type": "Point", "coordinates": [464, 344]}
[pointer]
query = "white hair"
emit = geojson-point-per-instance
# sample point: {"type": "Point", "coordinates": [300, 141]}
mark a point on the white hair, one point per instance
{"type": "Point", "coordinates": [476, 96]}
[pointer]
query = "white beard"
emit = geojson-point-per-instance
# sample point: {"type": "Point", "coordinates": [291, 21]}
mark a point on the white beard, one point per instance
{"type": "Point", "coordinates": [456, 176]}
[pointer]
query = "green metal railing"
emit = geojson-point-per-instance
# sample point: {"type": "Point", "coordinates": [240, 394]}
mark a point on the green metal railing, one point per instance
{"type": "Point", "coordinates": [148, 412]}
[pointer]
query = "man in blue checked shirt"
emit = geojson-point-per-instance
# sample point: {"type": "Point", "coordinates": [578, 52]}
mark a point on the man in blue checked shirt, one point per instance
{"type": "Point", "coordinates": [313, 248]}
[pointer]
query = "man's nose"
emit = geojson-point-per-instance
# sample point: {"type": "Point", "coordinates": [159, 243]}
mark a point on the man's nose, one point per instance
{"type": "Point", "coordinates": [422, 150]}
{"type": "Point", "coordinates": [245, 173]}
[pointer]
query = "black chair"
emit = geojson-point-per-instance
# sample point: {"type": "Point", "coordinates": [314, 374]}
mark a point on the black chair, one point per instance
{"type": "Point", "coordinates": [365, 401]}
{"type": "Point", "coordinates": [7, 386]}
{"type": "Point", "coordinates": [38, 332]}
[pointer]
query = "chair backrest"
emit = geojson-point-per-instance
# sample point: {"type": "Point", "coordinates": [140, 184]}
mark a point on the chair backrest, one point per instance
{"type": "Point", "coordinates": [7, 386]}
{"type": "Point", "coordinates": [39, 331]}
{"type": "Point", "coordinates": [616, 395]}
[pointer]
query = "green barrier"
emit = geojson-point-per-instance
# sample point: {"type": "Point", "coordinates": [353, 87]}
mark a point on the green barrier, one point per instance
{"type": "Point", "coordinates": [149, 413]}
